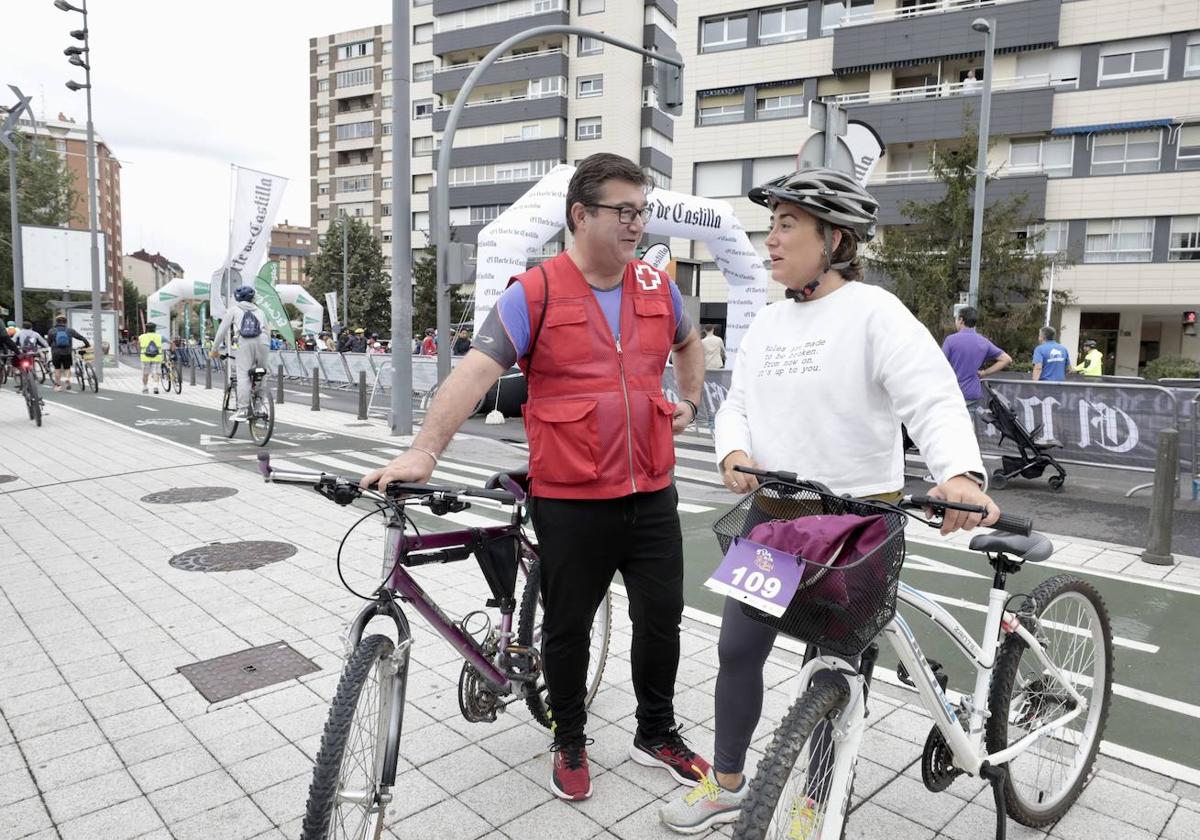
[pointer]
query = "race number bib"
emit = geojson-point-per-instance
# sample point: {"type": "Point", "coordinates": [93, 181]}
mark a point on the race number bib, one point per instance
{"type": "Point", "coordinates": [763, 577]}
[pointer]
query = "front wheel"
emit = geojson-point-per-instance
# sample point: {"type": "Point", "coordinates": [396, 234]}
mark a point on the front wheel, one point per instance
{"type": "Point", "coordinates": [529, 633]}
{"type": "Point", "coordinates": [92, 382]}
{"type": "Point", "coordinates": [262, 415]}
{"type": "Point", "coordinates": [165, 375]}
{"type": "Point", "coordinates": [1074, 630]}
{"type": "Point", "coordinates": [229, 411]}
{"type": "Point", "coordinates": [790, 789]}
{"type": "Point", "coordinates": [178, 380]}
{"type": "Point", "coordinates": [347, 797]}
{"type": "Point", "coordinates": [33, 400]}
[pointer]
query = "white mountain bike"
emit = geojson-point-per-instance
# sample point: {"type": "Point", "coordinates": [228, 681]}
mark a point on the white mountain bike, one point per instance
{"type": "Point", "coordinates": [1043, 686]}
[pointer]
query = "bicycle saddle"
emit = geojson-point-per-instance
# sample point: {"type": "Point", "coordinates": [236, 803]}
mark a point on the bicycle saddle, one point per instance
{"type": "Point", "coordinates": [1032, 549]}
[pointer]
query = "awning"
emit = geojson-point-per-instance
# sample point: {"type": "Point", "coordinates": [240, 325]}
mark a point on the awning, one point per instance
{"type": "Point", "coordinates": [1098, 128]}
{"type": "Point", "coordinates": [931, 59]}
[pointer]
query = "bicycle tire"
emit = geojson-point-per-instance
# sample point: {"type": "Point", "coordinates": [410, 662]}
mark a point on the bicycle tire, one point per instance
{"type": "Point", "coordinates": [178, 379]}
{"type": "Point", "coordinates": [330, 768]}
{"type": "Point", "coordinates": [228, 410]}
{"type": "Point", "coordinates": [261, 425]}
{"type": "Point", "coordinates": [770, 780]}
{"type": "Point", "coordinates": [79, 378]}
{"type": "Point", "coordinates": [1045, 597]}
{"type": "Point", "coordinates": [41, 367]}
{"type": "Point", "coordinates": [33, 400]}
{"type": "Point", "coordinates": [529, 634]}
{"type": "Point", "coordinates": [93, 382]}
{"type": "Point", "coordinates": [3, 371]}
{"type": "Point", "coordinates": [164, 375]}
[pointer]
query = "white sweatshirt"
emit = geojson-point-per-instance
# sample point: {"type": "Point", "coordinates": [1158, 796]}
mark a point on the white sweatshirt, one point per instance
{"type": "Point", "coordinates": [820, 389]}
{"type": "Point", "coordinates": [231, 325]}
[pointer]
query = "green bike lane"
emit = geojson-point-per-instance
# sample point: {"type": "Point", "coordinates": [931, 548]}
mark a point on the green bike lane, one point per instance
{"type": "Point", "coordinates": [1155, 712]}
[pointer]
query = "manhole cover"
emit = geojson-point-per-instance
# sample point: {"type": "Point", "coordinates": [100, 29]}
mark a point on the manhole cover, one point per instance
{"type": "Point", "coordinates": [236, 673]}
{"type": "Point", "coordinates": [232, 557]}
{"type": "Point", "coordinates": [182, 495]}
{"type": "Point", "coordinates": [4, 479]}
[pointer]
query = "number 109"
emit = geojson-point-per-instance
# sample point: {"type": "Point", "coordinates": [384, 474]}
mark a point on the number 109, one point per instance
{"type": "Point", "coordinates": [756, 582]}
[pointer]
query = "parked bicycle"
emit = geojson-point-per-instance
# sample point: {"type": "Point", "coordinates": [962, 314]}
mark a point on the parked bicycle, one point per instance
{"type": "Point", "coordinates": [25, 369]}
{"type": "Point", "coordinates": [1032, 725]}
{"type": "Point", "coordinates": [260, 416]}
{"type": "Point", "coordinates": [85, 371]}
{"type": "Point", "coordinates": [355, 772]}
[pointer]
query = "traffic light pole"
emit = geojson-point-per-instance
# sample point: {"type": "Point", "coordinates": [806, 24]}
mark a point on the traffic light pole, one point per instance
{"type": "Point", "coordinates": [441, 209]}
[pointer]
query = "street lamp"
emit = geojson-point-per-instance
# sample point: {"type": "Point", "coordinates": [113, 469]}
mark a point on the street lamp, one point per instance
{"type": "Point", "coordinates": [988, 29]}
{"type": "Point", "coordinates": [74, 56]}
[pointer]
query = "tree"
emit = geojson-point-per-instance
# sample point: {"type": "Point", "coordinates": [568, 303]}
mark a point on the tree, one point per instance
{"type": "Point", "coordinates": [425, 295]}
{"type": "Point", "coordinates": [45, 196]}
{"type": "Point", "coordinates": [928, 261]}
{"type": "Point", "coordinates": [370, 286]}
{"type": "Point", "coordinates": [135, 307]}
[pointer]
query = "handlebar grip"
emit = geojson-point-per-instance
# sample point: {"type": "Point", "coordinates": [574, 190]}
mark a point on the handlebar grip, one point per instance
{"type": "Point", "coordinates": [1014, 524]}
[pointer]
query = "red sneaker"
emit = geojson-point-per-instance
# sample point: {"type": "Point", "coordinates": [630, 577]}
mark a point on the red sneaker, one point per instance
{"type": "Point", "coordinates": [671, 753]}
{"type": "Point", "coordinates": [570, 777]}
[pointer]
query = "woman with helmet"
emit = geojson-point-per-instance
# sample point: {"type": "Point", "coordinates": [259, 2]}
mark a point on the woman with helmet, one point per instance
{"type": "Point", "coordinates": [247, 324]}
{"type": "Point", "coordinates": [821, 383]}
{"type": "Point", "coordinates": [1093, 360]}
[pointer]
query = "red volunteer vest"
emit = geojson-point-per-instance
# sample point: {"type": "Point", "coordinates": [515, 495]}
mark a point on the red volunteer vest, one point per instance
{"type": "Point", "coordinates": [597, 422]}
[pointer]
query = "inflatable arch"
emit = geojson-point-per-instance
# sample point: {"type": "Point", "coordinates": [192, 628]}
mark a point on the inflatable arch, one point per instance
{"type": "Point", "coordinates": [504, 245]}
{"type": "Point", "coordinates": [160, 303]}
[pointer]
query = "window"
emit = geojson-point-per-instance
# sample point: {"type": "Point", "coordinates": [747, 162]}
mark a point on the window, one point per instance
{"type": "Point", "coordinates": [908, 164]}
{"type": "Point", "coordinates": [1188, 154]}
{"type": "Point", "coordinates": [1126, 152]}
{"type": "Point", "coordinates": [835, 13]}
{"type": "Point", "coordinates": [719, 179]}
{"type": "Point", "coordinates": [779, 101]}
{"type": "Point", "coordinates": [422, 33]}
{"type": "Point", "coordinates": [323, 215]}
{"type": "Point", "coordinates": [660, 181]}
{"type": "Point", "coordinates": [549, 86]}
{"type": "Point", "coordinates": [1134, 60]}
{"type": "Point", "coordinates": [1191, 57]}
{"type": "Point", "coordinates": [764, 169]}
{"type": "Point", "coordinates": [1053, 238]}
{"type": "Point", "coordinates": [322, 112]}
{"type": "Point", "coordinates": [350, 78]}
{"type": "Point", "coordinates": [652, 139]}
{"type": "Point", "coordinates": [322, 163]}
{"type": "Point", "coordinates": [487, 213]}
{"type": "Point", "coordinates": [322, 136]}
{"type": "Point", "coordinates": [323, 188]}
{"type": "Point", "coordinates": [422, 108]}
{"type": "Point", "coordinates": [387, 74]}
{"type": "Point", "coordinates": [420, 220]}
{"type": "Point", "coordinates": [783, 23]}
{"type": "Point", "coordinates": [500, 173]}
{"type": "Point", "coordinates": [590, 46]}
{"type": "Point", "coordinates": [387, 128]}
{"type": "Point", "coordinates": [353, 131]}
{"type": "Point", "coordinates": [422, 146]}
{"type": "Point", "coordinates": [422, 71]}
{"type": "Point", "coordinates": [587, 128]}
{"type": "Point", "coordinates": [1051, 155]}
{"type": "Point", "coordinates": [1185, 238]}
{"type": "Point", "coordinates": [1118, 240]}
{"type": "Point", "coordinates": [322, 84]}
{"type": "Point", "coordinates": [725, 105]}
{"type": "Point", "coordinates": [387, 47]}
{"type": "Point", "coordinates": [1057, 68]}
{"type": "Point", "coordinates": [591, 7]}
{"type": "Point", "coordinates": [355, 50]}
{"type": "Point", "coordinates": [723, 33]}
{"type": "Point", "coordinates": [422, 183]}
{"type": "Point", "coordinates": [359, 183]}
{"type": "Point", "coordinates": [589, 86]}
{"type": "Point", "coordinates": [387, 102]}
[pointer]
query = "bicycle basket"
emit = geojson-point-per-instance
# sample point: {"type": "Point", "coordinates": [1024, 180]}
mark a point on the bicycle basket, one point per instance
{"type": "Point", "coordinates": [841, 605]}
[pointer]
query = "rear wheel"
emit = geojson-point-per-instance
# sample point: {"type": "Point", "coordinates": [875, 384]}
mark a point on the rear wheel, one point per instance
{"type": "Point", "coordinates": [164, 375]}
{"type": "Point", "coordinates": [178, 379]}
{"type": "Point", "coordinates": [999, 480]}
{"type": "Point", "coordinates": [33, 400]}
{"type": "Point", "coordinates": [93, 383]}
{"type": "Point", "coordinates": [79, 377]}
{"type": "Point", "coordinates": [1073, 627]}
{"type": "Point", "coordinates": [229, 411]}
{"type": "Point", "coordinates": [262, 415]}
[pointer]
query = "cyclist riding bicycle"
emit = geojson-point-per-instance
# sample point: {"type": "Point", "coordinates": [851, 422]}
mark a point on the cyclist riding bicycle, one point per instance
{"type": "Point", "coordinates": [249, 324]}
{"type": "Point", "coordinates": [61, 339]}
{"type": "Point", "coordinates": [821, 384]}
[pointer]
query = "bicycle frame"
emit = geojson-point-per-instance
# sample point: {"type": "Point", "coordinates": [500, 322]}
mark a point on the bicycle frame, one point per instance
{"type": "Point", "coordinates": [966, 745]}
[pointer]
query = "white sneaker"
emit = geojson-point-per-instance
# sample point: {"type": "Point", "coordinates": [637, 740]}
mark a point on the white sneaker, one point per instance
{"type": "Point", "coordinates": [241, 416]}
{"type": "Point", "coordinates": [704, 806]}
{"type": "Point", "coordinates": [145, 390]}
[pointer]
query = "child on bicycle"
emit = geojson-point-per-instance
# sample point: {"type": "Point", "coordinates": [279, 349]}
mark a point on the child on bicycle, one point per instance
{"type": "Point", "coordinates": [821, 384]}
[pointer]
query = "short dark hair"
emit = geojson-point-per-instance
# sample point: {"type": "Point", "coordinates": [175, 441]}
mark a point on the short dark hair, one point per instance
{"type": "Point", "coordinates": [846, 251]}
{"type": "Point", "coordinates": [150, 325]}
{"type": "Point", "coordinates": [27, 325]}
{"type": "Point", "coordinates": [969, 316]}
{"type": "Point", "coordinates": [593, 172]}
{"type": "Point", "coordinates": [60, 319]}
{"type": "Point", "coordinates": [1048, 333]}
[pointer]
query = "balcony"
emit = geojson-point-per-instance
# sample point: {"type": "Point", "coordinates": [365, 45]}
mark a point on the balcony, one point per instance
{"type": "Point", "coordinates": [941, 30]}
{"type": "Point", "coordinates": [545, 148]}
{"type": "Point", "coordinates": [504, 110]}
{"type": "Point", "coordinates": [515, 68]}
{"type": "Point", "coordinates": [896, 191]}
{"type": "Point", "coordinates": [490, 34]}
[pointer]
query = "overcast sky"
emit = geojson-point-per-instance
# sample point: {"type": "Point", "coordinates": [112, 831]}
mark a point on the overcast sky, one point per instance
{"type": "Point", "coordinates": [183, 90]}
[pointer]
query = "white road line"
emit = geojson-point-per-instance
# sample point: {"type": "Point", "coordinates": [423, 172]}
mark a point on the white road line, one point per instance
{"type": "Point", "coordinates": [339, 464]}
{"type": "Point", "coordinates": [687, 507]}
{"type": "Point", "coordinates": [106, 399]}
{"type": "Point", "coordinates": [703, 476]}
{"type": "Point", "coordinates": [135, 431]}
{"type": "Point", "coordinates": [148, 408]}
{"type": "Point", "coordinates": [1166, 767]}
{"type": "Point", "coordinates": [202, 422]}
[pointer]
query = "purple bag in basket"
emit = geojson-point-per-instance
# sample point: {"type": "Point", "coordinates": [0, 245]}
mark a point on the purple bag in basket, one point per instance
{"type": "Point", "coordinates": [829, 543]}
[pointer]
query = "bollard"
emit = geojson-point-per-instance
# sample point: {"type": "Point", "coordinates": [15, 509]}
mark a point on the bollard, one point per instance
{"type": "Point", "coordinates": [279, 385]}
{"type": "Point", "coordinates": [207, 374]}
{"type": "Point", "coordinates": [1162, 507]}
{"type": "Point", "coordinates": [362, 395]}
{"type": "Point", "coordinates": [192, 375]}
{"type": "Point", "coordinates": [316, 401]}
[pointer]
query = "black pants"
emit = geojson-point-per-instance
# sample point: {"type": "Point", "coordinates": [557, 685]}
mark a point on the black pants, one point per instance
{"type": "Point", "coordinates": [582, 544]}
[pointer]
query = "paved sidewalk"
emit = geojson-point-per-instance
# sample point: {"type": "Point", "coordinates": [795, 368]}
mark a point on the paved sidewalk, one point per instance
{"type": "Point", "coordinates": [102, 739]}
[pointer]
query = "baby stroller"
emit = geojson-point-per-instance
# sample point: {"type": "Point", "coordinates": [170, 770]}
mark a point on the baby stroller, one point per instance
{"type": "Point", "coordinates": [1034, 454]}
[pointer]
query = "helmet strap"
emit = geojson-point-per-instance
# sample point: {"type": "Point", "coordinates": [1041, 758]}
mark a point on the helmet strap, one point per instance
{"type": "Point", "coordinates": [810, 288]}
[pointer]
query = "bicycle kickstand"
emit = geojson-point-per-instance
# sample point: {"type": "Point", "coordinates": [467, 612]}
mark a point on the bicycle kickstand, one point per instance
{"type": "Point", "coordinates": [997, 774]}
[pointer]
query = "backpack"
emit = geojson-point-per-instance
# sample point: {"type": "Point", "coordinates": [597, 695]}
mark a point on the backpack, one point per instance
{"type": "Point", "coordinates": [151, 348]}
{"type": "Point", "coordinates": [62, 339]}
{"type": "Point", "coordinates": [250, 327]}
{"type": "Point", "coordinates": [28, 343]}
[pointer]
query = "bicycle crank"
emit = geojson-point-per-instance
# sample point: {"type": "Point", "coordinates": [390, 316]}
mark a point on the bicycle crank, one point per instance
{"type": "Point", "coordinates": [937, 762]}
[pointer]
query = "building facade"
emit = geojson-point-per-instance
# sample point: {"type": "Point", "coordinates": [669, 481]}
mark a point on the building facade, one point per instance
{"type": "Point", "coordinates": [290, 247]}
{"type": "Point", "coordinates": [149, 272]}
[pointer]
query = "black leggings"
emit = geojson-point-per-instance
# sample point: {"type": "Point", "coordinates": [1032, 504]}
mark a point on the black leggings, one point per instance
{"type": "Point", "coordinates": [582, 544]}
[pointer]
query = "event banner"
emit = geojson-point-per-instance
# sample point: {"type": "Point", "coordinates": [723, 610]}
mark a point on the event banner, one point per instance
{"type": "Point", "coordinates": [267, 299]}
{"type": "Point", "coordinates": [256, 200]}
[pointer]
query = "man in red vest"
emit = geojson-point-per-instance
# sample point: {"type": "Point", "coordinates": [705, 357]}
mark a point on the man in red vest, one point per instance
{"type": "Point", "coordinates": [592, 329]}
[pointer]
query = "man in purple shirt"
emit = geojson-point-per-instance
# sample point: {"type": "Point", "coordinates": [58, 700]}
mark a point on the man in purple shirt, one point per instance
{"type": "Point", "coordinates": [967, 351]}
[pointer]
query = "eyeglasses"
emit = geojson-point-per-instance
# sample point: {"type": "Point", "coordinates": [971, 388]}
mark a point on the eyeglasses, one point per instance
{"type": "Point", "coordinates": [625, 214]}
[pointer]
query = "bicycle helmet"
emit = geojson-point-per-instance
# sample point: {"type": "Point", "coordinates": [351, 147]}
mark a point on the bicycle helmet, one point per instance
{"type": "Point", "coordinates": [834, 198]}
{"type": "Point", "coordinates": [244, 294]}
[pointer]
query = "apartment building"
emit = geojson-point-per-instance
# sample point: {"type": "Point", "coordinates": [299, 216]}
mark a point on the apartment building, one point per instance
{"type": "Point", "coordinates": [1095, 119]}
{"type": "Point", "coordinates": [547, 101]}
{"type": "Point", "coordinates": [290, 247]}
{"type": "Point", "coordinates": [149, 272]}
